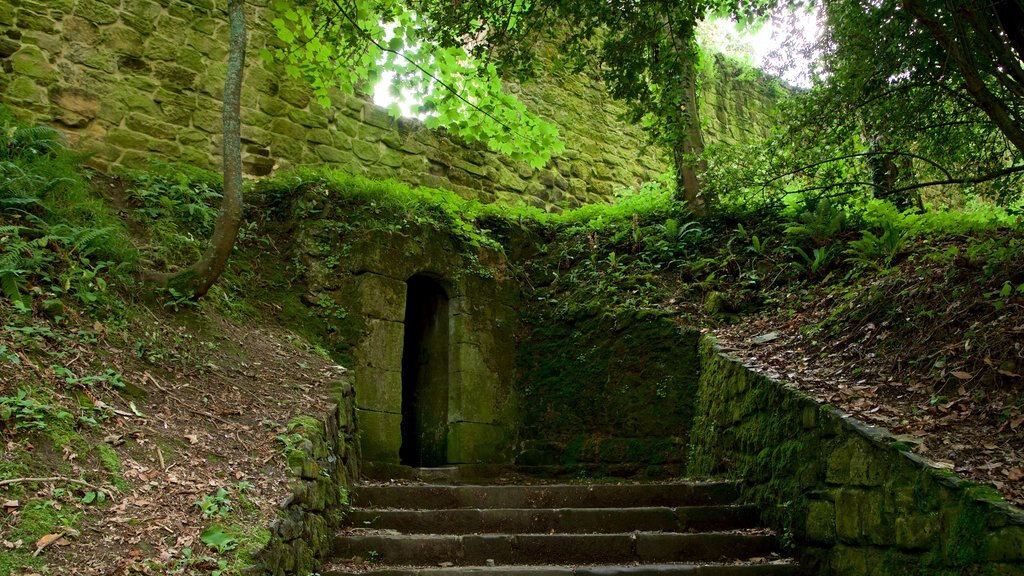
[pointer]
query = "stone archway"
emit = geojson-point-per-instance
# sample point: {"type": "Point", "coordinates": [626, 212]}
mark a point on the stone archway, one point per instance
{"type": "Point", "coordinates": [425, 374]}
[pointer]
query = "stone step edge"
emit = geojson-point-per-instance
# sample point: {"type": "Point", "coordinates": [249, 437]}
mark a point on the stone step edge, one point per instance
{"type": "Point", "coordinates": [775, 568]}
{"type": "Point", "coordinates": [461, 496]}
{"type": "Point", "coordinates": [541, 549]}
{"type": "Point", "coordinates": [693, 507]}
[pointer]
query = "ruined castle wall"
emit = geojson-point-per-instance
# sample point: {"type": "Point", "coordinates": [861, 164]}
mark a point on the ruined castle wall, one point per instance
{"type": "Point", "coordinates": [130, 80]}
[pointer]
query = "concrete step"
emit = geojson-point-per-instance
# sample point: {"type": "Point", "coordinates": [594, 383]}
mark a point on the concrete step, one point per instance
{"type": "Point", "coordinates": [508, 549]}
{"type": "Point", "coordinates": [562, 520]}
{"type": "Point", "coordinates": [435, 497]}
{"type": "Point", "coordinates": [763, 569]}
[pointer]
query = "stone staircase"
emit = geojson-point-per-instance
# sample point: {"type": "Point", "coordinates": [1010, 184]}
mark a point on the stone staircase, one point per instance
{"type": "Point", "coordinates": [688, 528]}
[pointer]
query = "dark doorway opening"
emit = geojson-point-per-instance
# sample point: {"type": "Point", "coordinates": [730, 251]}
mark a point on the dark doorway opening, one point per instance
{"type": "Point", "coordinates": [425, 374]}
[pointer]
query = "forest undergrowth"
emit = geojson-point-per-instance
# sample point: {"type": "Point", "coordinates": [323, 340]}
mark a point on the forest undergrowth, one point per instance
{"type": "Point", "coordinates": [143, 430]}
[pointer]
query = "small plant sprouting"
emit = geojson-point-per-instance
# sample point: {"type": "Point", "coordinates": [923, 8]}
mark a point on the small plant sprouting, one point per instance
{"type": "Point", "coordinates": [217, 504]}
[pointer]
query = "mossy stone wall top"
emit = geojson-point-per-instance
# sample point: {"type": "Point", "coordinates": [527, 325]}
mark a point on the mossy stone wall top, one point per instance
{"type": "Point", "coordinates": [130, 80]}
{"type": "Point", "coordinates": [851, 497]}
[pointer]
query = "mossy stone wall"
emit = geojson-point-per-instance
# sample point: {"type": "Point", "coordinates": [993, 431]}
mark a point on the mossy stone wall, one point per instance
{"type": "Point", "coordinates": [322, 467]}
{"type": "Point", "coordinates": [605, 394]}
{"type": "Point", "coordinates": [850, 497]}
{"type": "Point", "coordinates": [130, 80]}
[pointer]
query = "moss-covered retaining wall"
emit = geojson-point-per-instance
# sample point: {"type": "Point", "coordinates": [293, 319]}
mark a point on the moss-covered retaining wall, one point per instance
{"type": "Point", "coordinates": [129, 80]}
{"type": "Point", "coordinates": [606, 395]}
{"type": "Point", "coordinates": [322, 462]}
{"type": "Point", "coordinates": [852, 498]}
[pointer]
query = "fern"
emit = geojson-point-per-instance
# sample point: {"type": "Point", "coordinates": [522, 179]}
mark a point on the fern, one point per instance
{"type": "Point", "coordinates": [84, 239]}
{"type": "Point", "coordinates": [30, 141]}
{"type": "Point", "coordinates": [10, 288]}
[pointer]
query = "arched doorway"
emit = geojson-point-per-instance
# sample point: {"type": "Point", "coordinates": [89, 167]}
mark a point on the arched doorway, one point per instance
{"type": "Point", "coordinates": [425, 374]}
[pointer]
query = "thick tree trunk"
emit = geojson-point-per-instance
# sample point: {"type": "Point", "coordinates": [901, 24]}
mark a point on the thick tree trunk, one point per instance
{"type": "Point", "coordinates": [198, 279]}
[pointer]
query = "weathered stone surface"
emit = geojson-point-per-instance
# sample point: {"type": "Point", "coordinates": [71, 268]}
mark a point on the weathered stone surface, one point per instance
{"type": "Point", "coordinates": [380, 435]}
{"type": "Point", "coordinates": [381, 296]}
{"type": "Point", "coordinates": [470, 442]}
{"type": "Point", "coordinates": [106, 46]}
{"type": "Point", "coordinates": [31, 62]}
{"type": "Point", "coordinates": [864, 507]}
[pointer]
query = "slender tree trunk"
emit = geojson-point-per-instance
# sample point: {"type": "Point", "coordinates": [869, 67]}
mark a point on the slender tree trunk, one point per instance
{"type": "Point", "coordinates": [687, 154]}
{"type": "Point", "coordinates": [198, 279]}
{"type": "Point", "coordinates": [687, 148]}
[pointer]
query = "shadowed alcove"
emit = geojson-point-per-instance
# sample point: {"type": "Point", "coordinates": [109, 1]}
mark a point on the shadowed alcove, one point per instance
{"type": "Point", "coordinates": [425, 374]}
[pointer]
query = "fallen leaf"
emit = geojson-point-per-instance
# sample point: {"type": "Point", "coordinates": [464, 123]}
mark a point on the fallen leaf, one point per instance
{"type": "Point", "coordinates": [11, 504]}
{"type": "Point", "coordinates": [962, 375]}
{"type": "Point", "coordinates": [192, 438]}
{"type": "Point", "coordinates": [1014, 474]}
{"type": "Point", "coordinates": [48, 539]}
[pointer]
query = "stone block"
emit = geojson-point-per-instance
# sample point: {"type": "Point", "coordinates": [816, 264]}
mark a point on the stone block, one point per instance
{"type": "Point", "coordinates": [162, 48]}
{"type": "Point", "coordinates": [332, 154]}
{"type": "Point", "coordinates": [294, 93]}
{"type": "Point", "coordinates": [307, 119]}
{"type": "Point", "coordinates": [381, 297]}
{"type": "Point", "coordinates": [378, 389]}
{"type": "Point", "coordinates": [1006, 545]}
{"type": "Point", "coordinates": [150, 126]}
{"type": "Point", "coordinates": [174, 77]}
{"type": "Point", "coordinates": [821, 522]}
{"type": "Point", "coordinates": [380, 435]}
{"type": "Point", "coordinates": [381, 345]}
{"type": "Point", "coordinates": [857, 463]}
{"type": "Point", "coordinates": [140, 14]}
{"type": "Point", "coordinates": [472, 397]}
{"type": "Point", "coordinates": [917, 531]}
{"type": "Point", "coordinates": [25, 89]}
{"type": "Point", "coordinates": [6, 14]}
{"type": "Point", "coordinates": [96, 12]}
{"type": "Point", "coordinates": [470, 442]}
{"type": "Point", "coordinates": [367, 151]}
{"type": "Point", "coordinates": [30, 61]}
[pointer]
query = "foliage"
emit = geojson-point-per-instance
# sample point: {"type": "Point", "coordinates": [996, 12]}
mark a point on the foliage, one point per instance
{"type": "Point", "coordinates": [645, 52]}
{"type": "Point", "coordinates": [913, 102]}
{"type": "Point", "coordinates": [347, 46]}
{"type": "Point", "coordinates": [57, 239]}
{"type": "Point", "coordinates": [217, 504]}
{"type": "Point", "coordinates": [176, 205]}
{"type": "Point", "coordinates": [878, 251]}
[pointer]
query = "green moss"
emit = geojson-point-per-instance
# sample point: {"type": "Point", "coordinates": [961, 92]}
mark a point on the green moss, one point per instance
{"type": "Point", "coordinates": [636, 378]}
{"type": "Point", "coordinates": [964, 544]}
{"type": "Point", "coordinates": [112, 463]}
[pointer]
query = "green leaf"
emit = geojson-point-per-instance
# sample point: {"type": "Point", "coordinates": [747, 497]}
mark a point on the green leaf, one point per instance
{"type": "Point", "coordinates": [217, 538]}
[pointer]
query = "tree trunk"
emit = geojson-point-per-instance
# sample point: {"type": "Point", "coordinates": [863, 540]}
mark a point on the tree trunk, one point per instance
{"type": "Point", "coordinates": [198, 279]}
{"type": "Point", "coordinates": [687, 154]}
{"type": "Point", "coordinates": [687, 149]}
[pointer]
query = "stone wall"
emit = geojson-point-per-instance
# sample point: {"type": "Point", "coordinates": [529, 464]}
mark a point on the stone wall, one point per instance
{"type": "Point", "coordinates": [606, 394]}
{"type": "Point", "coordinates": [853, 499]}
{"type": "Point", "coordinates": [130, 80]}
{"type": "Point", "coordinates": [322, 462]}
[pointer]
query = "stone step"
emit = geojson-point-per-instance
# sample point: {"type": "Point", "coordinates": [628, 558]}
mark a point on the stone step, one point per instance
{"type": "Point", "coordinates": [435, 497]}
{"type": "Point", "coordinates": [507, 549]}
{"type": "Point", "coordinates": [562, 520]}
{"type": "Point", "coordinates": [764, 569]}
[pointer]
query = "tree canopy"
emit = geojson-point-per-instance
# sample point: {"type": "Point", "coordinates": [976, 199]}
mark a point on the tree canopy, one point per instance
{"type": "Point", "coordinates": [907, 96]}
